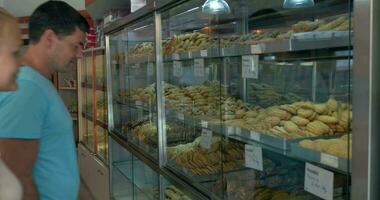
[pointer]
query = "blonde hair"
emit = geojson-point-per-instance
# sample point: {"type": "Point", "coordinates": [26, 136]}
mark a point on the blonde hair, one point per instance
{"type": "Point", "coordinates": [6, 21]}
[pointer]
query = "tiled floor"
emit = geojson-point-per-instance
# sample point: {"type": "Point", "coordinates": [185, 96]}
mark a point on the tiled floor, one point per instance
{"type": "Point", "coordinates": [84, 194]}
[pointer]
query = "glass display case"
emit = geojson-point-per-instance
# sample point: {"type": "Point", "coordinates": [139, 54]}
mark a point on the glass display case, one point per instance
{"type": "Point", "coordinates": [238, 99]}
{"type": "Point", "coordinates": [93, 103]}
{"type": "Point", "coordinates": [133, 61]}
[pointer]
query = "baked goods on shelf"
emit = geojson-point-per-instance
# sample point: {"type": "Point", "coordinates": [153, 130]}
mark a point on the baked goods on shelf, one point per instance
{"type": "Point", "coordinates": [146, 133]}
{"type": "Point", "coordinates": [200, 161]}
{"type": "Point", "coordinates": [296, 120]}
{"type": "Point", "coordinates": [173, 193]}
{"type": "Point", "coordinates": [340, 147]}
{"type": "Point", "coordinates": [188, 42]}
{"type": "Point", "coordinates": [265, 95]}
{"type": "Point", "coordinates": [143, 49]}
{"type": "Point", "coordinates": [252, 184]}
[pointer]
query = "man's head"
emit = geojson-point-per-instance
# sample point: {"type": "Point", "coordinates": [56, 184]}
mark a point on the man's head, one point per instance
{"type": "Point", "coordinates": [10, 41]}
{"type": "Point", "coordinates": [60, 29]}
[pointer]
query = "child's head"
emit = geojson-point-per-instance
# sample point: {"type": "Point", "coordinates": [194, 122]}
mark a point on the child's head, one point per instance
{"type": "Point", "coordinates": [9, 45]}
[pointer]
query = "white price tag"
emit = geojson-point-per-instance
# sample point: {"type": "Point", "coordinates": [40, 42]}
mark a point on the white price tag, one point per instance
{"type": "Point", "coordinates": [199, 67]}
{"type": "Point", "coordinates": [181, 116]}
{"type": "Point", "coordinates": [139, 103]}
{"type": "Point", "coordinates": [206, 139]}
{"type": "Point", "coordinates": [254, 136]}
{"type": "Point", "coordinates": [204, 124]}
{"type": "Point", "coordinates": [254, 157]}
{"type": "Point", "coordinates": [207, 71]}
{"type": "Point", "coordinates": [175, 56]}
{"type": "Point", "coordinates": [238, 131]}
{"type": "Point", "coordinates": [250, 65]}
{"type": "Point", "coordinates": [258, 48]}
{"type": "Point", "coordinates": [203, 53]}
{"type": "Point", "coordinates": [230, 130]}
{"type": "Point", "coordinates": [177, 68]}
{"type": "Point", "coordinates": [150, 69]}
{"type": "Point", "coordinates": [329, 160]}
{"type": "Point", "coordinates": [137, 65]}
{"type": "Point", "coordinates": [319, 181]}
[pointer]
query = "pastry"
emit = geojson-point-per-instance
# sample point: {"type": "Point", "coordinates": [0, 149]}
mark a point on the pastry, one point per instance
{"type": "Point", "coordinates": [300, 121]}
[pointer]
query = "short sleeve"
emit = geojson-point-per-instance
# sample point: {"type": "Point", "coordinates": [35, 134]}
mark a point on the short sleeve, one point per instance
{"type": "Point", "coordinates": [22, 112]}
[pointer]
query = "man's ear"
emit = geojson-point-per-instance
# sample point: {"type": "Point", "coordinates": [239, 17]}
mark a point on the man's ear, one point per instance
{"type": "Point", "coordinates": [48, 38]}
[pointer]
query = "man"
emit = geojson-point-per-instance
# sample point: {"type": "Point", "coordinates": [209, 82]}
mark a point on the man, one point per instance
{"type": "Point", "coordinates": [36, 128]}
{"type": "Point", "coordinates": [10, 40]}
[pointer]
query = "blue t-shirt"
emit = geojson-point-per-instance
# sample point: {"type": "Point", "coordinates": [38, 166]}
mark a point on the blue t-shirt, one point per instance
{"type": "Point", "coordinates": [36, 111]}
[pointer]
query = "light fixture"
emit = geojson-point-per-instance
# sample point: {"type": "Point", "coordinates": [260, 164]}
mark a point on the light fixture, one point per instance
{"type": "Point", "coordinates": [298, 3]}
{"type": "Point", "coordinates": [216, 7]}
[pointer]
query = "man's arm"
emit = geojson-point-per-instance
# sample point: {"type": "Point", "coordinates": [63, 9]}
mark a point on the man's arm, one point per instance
{"type": "Point", "coordinates": [20, 155]}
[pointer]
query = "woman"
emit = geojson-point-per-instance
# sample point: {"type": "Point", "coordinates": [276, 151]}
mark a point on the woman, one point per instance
{"type": "Point", "coordinates": [10, 187]}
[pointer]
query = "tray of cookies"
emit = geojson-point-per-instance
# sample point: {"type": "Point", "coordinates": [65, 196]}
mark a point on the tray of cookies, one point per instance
{"type": "Point", "coordinates": [333, 152]}
{"type": "Point", "coordinates": [281, 125]}
{"type": "Point", "coordinates": [202, 164]}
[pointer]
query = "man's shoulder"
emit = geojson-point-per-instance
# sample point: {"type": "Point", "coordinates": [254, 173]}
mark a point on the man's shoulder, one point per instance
{"type": "Point", "coordinates": [32, 76]}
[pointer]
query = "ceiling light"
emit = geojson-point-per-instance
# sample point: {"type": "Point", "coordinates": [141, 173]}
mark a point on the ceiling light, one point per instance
{"type": "Point", "coordinates": [216, 7]}
{"type": "Point", "coordinates": [298, 3]}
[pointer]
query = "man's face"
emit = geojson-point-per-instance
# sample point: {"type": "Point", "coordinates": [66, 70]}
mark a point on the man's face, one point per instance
{"type": "Point", "coordinates": [67, 50]}
{"type": "Point", "coordinates": [9, 46]}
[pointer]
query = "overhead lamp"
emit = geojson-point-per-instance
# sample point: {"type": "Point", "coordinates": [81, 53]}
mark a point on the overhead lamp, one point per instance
{"type": "Point", "coordinates": [216, 7]}
{"type": "Point", "coordinates": [298, 3]}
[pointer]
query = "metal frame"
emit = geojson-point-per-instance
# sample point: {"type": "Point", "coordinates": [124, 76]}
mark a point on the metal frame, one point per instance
{"type": "Point", "coordinates": [365, 163]}
{"type": "Point", "coordinates": [365, 99]}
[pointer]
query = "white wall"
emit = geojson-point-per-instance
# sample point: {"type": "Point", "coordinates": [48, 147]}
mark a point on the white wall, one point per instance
{"type": "Point", "coordinates": [25, 7]}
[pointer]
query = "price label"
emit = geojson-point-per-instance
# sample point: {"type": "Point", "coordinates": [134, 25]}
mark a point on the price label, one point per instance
{"type": "Point", "coordinates": [230, 130]}
{"type": "Point", "coordinates": [206, 139]}
{"type": "Point", "coordinates": [204, 124]}
{"type": "Point", "coordinates": [203, 53]}
{"type": "Point", "coordinates": [175, 56]}
{"type": "Point", "coordinates": [238, 131]}
{"type": "Point", "coordinates": [254, 136]}
{"type": "Point", "coordinates": [177, 68]}
{"type": "Point", "coordinates": [139, 103]}
{"type": "Point", "coordinates": [181, 116]}
{"type": "Point", "coordinates": [254, 157]}
{"type": "Point", "coordinates": [257, 49]}
{"type": "Point", "coordinates": [319, 181]}
{"type": "Point", "coordinates": [250, 66]}
{"type": "Point", "coordinates": [199, 67]}
{"type": "Point", "coordinates": [329, 160]}
{"type": "Point", "coordinates": [137, 65]}
{"type": "Point", "coordinates": [207, 71]}
{"type": "Point", "coordinates": [150, 69]}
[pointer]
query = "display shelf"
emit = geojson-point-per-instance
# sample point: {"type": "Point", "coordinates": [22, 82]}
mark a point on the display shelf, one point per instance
{"type": "Point", "coordinates": [278, 46]}
{"type": "Point", "coordinates": [279, 145]}
{"type": "Point", "coordinates": [306, 42]}
{"type": "Point", "coordinates": [67, 88]}
{"type": "Point", "coordinates": [88, 116]}
{"type": "Point", "coordinates": [330, 161]}
{"type": "Point", "coordinates": [98, 87]}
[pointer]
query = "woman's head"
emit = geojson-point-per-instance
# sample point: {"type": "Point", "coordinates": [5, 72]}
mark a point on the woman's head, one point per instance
{"type": "Point", "coordinates": [9, 45]}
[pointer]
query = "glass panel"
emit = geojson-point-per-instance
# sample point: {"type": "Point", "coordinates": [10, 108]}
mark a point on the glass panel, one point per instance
{"type": "Point", "coordinates": [261, 95]}
{"type": "Point", "coordinates": [87, 103]}
{"type": "Point", "coordinates": [172, 192]}
{"type": "Point", "coordinates": [192, 97]}
{"type": "Point", "coordinates": [131, 178]}
{"type": "Point", "coordinates": [135, 107]}
{"type": "Point", "coordinates": [121, 163]}
{"type": "Point", "coordinates": [101, 105]}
